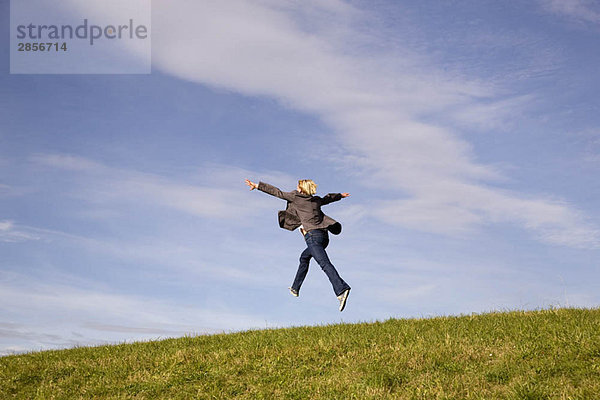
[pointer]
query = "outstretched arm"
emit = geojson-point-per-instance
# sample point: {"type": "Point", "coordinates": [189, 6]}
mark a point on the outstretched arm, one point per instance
{"type": "Point", "coordinates": [331, 197]}
{"type": "Point", "coordinates": [269, 189]}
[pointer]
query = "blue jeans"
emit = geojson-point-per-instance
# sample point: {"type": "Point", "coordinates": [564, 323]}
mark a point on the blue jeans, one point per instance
{"type": "Point", "coordinates": [316, 242]}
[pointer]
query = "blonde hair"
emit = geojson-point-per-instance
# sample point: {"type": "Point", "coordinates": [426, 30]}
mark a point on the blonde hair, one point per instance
{"type": "Point", "coordinates": [307, 186]}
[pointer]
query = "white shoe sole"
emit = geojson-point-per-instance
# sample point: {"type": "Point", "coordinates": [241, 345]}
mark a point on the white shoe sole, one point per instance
{"type": "Point", "coordinates": [344, 299]}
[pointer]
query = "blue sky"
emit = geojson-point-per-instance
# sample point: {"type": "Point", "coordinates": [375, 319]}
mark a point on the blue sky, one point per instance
{"type": "Point", "coordinates": [467, 133]}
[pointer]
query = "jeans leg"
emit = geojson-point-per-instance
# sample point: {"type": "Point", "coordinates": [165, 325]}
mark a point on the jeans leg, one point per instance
{"type": "Point", "coordinates": [302, 269]}
{"type": "Point", "coordinates": [317, 250]}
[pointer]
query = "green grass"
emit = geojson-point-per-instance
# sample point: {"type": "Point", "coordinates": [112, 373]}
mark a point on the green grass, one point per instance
{"type": "Point", "coordinates": [547, 354]}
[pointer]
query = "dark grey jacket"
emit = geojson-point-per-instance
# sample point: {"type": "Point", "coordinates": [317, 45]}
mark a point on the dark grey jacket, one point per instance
{"type": "Point", "coordinates": [303, 209]}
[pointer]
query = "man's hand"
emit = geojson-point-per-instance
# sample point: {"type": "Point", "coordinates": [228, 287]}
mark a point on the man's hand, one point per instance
{"type": "Point", "coordinates": [251, 184]}
{"type": "Point", "coordinates": [345, 194]}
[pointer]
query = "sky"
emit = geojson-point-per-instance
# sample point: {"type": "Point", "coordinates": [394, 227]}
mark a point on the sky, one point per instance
{"type": "Point", "coordinates": [467, 132]}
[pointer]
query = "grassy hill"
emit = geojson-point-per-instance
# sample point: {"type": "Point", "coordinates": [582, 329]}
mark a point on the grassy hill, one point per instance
{"type": "Point", "coordinates": [548, 354]}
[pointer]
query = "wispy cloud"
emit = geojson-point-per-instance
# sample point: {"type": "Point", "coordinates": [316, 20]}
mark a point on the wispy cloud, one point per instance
{"type": "Point", "coordinates": [13, 191]}
{"type": "Point", "coordinates": [488, 115]}
{"type": "Point", "coordinates": [586, 11]}
{"type": "Point", "coordinates": [101, 313]}
{"type": "Point", "coordinates": [4, 189]}
{"type": "Point", "coordinates": [179, 255]}
{"type": "Point", "coordinates": [590, 141]}
{"type": "Point", "coordinates": [214, 198]}
{"type": "Point", "coordinates": [9, 232]}
{"type": "Point", "coordinates": [461, 208]}
{"type": "Point", "coordinates": [220, 194]}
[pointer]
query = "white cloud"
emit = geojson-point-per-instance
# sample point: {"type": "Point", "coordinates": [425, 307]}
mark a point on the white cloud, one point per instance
{"type": "Point", "coordinates": [13, 191]}
{"type": "Point", "coordinates": [458, 208]}
{"type": "Point", "coordinates": [49, 315]}
{"type": "Point", "coordinates": [179, 256]}
{"type": "Point", "coordinates": [11, 233]}
{"type": "Point", "coordinates": [578, 10]}
{"type": "Point", "coordinates": [221, 195]}
{"type": "Point", "coordinates": [488, 115]}
{"type": "Point", "coordinates": [590, 141]}
{"type": "Point", "coordinates": [69, 162]}
{"type": "Point", "coordinates": [215, 194]}
{"type": "Point", "coordinates": [376, 103]}
{"type": "Point", "coordinates": [5, 226]}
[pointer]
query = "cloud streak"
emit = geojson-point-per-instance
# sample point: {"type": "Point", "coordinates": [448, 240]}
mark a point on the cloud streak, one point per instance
{"type": "Point", "coordinates": [217, 200]}
{"type": "Point", "coordinates": [11, 233]}
{"type": "Point", "coordinates": [100, 313]}
{"type": "Point", "coordinates": [221, 197]}
{"type": "Point", "coordinates": [584, 11]}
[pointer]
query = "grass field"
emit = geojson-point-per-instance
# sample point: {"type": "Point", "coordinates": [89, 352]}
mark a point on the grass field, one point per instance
{"type": "Point", "coordinates": [547, 354]}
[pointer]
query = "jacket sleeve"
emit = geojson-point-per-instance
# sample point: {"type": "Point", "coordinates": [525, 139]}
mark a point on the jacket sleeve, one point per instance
{"type": "Point", "coordinates": [330, 198]}
{"type": "Point", "coordinates": [273, 191]}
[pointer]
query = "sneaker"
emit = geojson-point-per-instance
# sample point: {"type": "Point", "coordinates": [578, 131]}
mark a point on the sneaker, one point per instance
{"type": "Point", "coordinates": [342, 298]}
{"type": "Point", "coordinates": [294, 292]}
